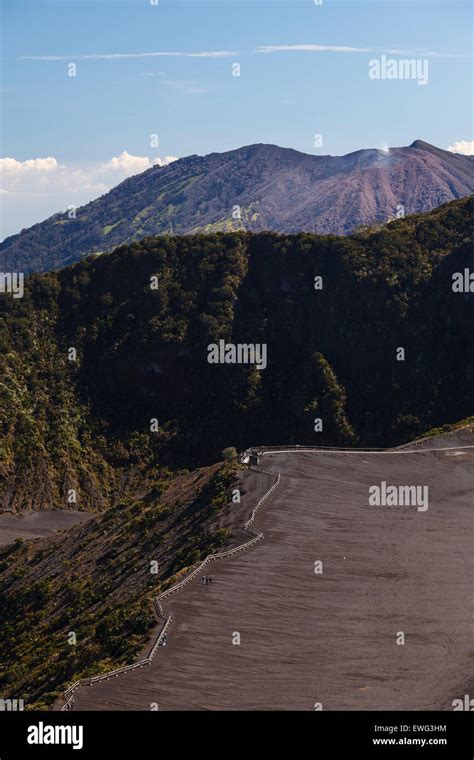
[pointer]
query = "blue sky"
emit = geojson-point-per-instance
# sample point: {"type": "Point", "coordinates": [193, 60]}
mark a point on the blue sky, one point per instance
{"type": "Point", "coordinates": [284, 95]}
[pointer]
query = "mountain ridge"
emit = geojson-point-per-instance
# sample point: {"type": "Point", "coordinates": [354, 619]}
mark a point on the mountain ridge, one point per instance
{"type": "Point", "coordinates": [254, 188]}
{"type": "Point", "coordinates": [142, 353]}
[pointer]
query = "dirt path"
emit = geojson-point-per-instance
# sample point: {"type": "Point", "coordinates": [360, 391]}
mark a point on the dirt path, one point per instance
{"type": "Point", "coordinates": [328, 638]}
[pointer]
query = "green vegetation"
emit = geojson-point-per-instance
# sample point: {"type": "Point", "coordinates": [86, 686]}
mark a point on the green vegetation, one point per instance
{"type": "Point", "coordinates": [84, 425]}
{"type": "Point", "coordinates": [443, 429]}
{"type": "Point", "coordinates": [230, 454]}
{"type": "Point", "coordinates": [95, 581]}
{"type": "Point", "coordinates": [109, 227]}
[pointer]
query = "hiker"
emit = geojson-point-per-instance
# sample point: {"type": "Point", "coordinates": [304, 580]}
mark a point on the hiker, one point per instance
{"type": "Point", "coordinates": [204, 579]}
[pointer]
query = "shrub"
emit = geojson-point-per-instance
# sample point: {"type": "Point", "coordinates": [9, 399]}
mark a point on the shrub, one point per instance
{"type": "Point", "coordinates": [230, 454]}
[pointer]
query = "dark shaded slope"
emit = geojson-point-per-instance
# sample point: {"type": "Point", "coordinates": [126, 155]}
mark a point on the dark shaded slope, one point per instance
{"type": "Point", "coordinates": [142, 353]}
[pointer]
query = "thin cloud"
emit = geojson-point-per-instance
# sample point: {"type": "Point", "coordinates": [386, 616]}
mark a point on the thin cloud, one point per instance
{"type": "Point", "coordinates": [312, 48]}
{"type": "Point", "coordinates": [121, 56]}
{"type": "Point", "coordinates": [182, 86]}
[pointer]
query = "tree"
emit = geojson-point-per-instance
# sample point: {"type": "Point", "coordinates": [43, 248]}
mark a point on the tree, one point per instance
{"type": "Point", "coordinates": [230, 454]}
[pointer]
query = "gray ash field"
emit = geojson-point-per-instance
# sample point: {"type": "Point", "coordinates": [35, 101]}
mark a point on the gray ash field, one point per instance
{"type": "Point", "coordinates": [37, 524]}
{"type": "Point", "coordinates": [327, 638]}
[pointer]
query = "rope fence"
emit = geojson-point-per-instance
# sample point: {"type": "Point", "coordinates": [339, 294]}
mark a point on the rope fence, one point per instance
{"type": "Point", "coordinates": [69, 692]}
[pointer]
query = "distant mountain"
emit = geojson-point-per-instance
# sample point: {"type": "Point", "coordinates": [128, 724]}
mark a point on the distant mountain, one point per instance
{"type": "Point", "coordinates": [274, 188]}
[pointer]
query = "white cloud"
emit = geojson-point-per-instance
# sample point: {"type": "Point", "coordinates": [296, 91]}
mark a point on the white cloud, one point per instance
{"type": "Point", "coordinates": [183, 86]}
{"type": "Point", "coordinates": [195, 91]}
{"type": "Point", "coordinates": [121, 56]}
{"type": "Point", "coordinates": [126, 164]}
{"type": "Point", "coordinates": [228, 53]}
{"type": "Point", "coordinates": [463, 146]}
{"type": "Point", "coordinates": [165, 161]}
{"type": "Point", "coordinates": [313, 48]}
{"type": "Point", "coordinates": [13, 167]}
{"type": "Point", "coordinates": [39, 176]}
{"type": "Point", "coordinates": [36, 188]}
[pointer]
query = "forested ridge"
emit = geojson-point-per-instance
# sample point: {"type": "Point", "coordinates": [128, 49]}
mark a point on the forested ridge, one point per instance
{"type": "Point", "coordinates": [142, 352]}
